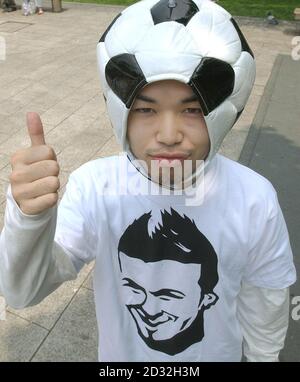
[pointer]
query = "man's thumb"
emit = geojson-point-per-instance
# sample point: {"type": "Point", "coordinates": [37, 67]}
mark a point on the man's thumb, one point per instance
{"type": "Point", "coordinates": [35, 129]}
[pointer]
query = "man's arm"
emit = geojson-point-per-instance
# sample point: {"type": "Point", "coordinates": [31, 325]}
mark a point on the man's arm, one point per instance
{"type": "Point", "coordinates": [32, 265]}
{"type": "Point", "coordinates": [264, 315]}
{"type": "Point", "coordinates": [263, 302]}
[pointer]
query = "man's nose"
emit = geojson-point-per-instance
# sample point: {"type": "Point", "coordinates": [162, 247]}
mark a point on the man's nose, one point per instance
{"type": "Point", "coordinates": [169, 132]}
{"type": "Point", "coordinates": [151, 307]}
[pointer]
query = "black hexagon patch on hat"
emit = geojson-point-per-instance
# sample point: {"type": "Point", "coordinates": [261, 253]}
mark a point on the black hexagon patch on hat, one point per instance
{"type": "Point", "coordinates": [125, 77]}
{"type": "Point", "coordinates": [180, 11]}
{"type": "Point", "coordinates": [212, 82]}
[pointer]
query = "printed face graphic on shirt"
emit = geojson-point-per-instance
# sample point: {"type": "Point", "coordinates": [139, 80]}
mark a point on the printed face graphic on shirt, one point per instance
{"type": "Point", "coordinates": [165, 305]}
{"type": "Point", "coordinates": [161, 281]}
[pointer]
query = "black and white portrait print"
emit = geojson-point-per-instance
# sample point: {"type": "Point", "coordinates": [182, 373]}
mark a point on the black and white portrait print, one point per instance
{"type": "Point", "coordinates": [168, 274]}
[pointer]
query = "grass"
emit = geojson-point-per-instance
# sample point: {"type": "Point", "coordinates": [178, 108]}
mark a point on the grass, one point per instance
{"type": "Point", "coordinates": [282, 9]}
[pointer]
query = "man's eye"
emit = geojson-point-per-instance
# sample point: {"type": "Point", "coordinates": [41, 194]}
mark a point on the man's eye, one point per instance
{"type": "Point", "coordinates": [136, 291]}
{"type": "Point", "coordinates": [144, 110]}
{"type": "Point", "coordinates": [165, 298]}
{"type": "Point", "coordinates": [132, 289]}
{"type": "Point", "coordinates": [193, 110]}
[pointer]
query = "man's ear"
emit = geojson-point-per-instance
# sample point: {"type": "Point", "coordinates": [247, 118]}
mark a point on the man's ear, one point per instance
{"type": "Point", "coordinates": [208, 300]}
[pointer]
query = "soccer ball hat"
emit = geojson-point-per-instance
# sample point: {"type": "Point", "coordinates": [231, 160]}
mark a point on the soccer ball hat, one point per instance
{"type": "Point", "coordinates": [193, 41]}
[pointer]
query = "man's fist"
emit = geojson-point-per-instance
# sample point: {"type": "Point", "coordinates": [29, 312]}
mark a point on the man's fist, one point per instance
{"type": "Point", "coordinates": [34, 178]}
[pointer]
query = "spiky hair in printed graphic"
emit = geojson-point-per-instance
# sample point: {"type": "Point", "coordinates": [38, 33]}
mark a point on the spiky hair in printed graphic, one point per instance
{"type": "Point", "coordinates": [176, 238]}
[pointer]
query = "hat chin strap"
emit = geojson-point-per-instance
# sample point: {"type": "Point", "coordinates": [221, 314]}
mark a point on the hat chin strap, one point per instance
{"type": "Point", "coordinates": [188, 182]}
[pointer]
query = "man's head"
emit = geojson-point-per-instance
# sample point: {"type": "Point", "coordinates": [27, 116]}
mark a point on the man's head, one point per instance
{"type": "Point", "coordinates": [166, 128]}
{"type": "Point", "coordinates": [168, 275]}
{"type": "Point", "coordinates": [195, 42]}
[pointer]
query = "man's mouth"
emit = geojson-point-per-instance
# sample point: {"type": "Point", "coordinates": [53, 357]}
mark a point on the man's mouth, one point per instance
{"type": "Point", "coordinates": [148, 324]}
{"type": "Point", "coordinates": [169, 159]}
{"type": "Point", "coordinates": [154, 322]}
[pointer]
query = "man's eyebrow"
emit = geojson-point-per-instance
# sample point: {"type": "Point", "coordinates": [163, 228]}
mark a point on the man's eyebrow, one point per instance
{"type": "Point", "coordinates": [131, 283]}
{"type": "Point", "coordinates": [142, 97]}
{"type": "Point", "coordinates": [190, 99]}
{"type": "Point", "coordinates": [169, 293]}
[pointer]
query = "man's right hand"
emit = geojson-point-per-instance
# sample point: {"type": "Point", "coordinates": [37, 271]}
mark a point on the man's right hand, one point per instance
{"type": "Point", "coordinates": [34, 178]}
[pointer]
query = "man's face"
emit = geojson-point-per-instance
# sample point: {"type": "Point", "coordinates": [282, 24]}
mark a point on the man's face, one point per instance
{"type": "Point", "coordinates": [163, 297]}
{"type": "Point", "coordinates": [166, 127]}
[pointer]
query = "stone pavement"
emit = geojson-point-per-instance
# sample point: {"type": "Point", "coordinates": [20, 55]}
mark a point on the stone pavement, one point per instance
{"type": "Point", "coordinates": [272, 149]}
{"type": "Point", "coordinates": [51, 68]}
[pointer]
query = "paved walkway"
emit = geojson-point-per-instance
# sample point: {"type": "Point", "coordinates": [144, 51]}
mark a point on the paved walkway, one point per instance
{"type": "Point", "coordinates": [272, 148]}
{"type": "Point", "coordinates": [51, 68]}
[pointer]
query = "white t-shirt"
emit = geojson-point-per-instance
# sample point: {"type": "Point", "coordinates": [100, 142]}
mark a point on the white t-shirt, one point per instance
{"type": "Point", "coordinates": [168, 273]}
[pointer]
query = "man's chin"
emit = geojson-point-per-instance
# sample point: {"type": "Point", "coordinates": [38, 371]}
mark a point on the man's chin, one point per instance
{"type": "Point", "coordinates": [154, 335]}
{"type": "Point", "coordinates": [172, 183]}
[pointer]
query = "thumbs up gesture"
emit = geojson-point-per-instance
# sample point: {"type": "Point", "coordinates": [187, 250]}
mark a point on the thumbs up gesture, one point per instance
{"type": "Point", "coordinates": [34, 178]}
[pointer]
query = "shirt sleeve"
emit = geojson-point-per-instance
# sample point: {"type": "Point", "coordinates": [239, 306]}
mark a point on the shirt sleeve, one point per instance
{"type": "Point", "coordinates": [270, 259]}
{"type": "Point", "coordinates": [31, 264]}
{"type": "Point", "coordinates": [263, 315]}
{"type": "Point", "coordinates": [76, 230]}
{"type": "Point", "coordinates": [40, 252]}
